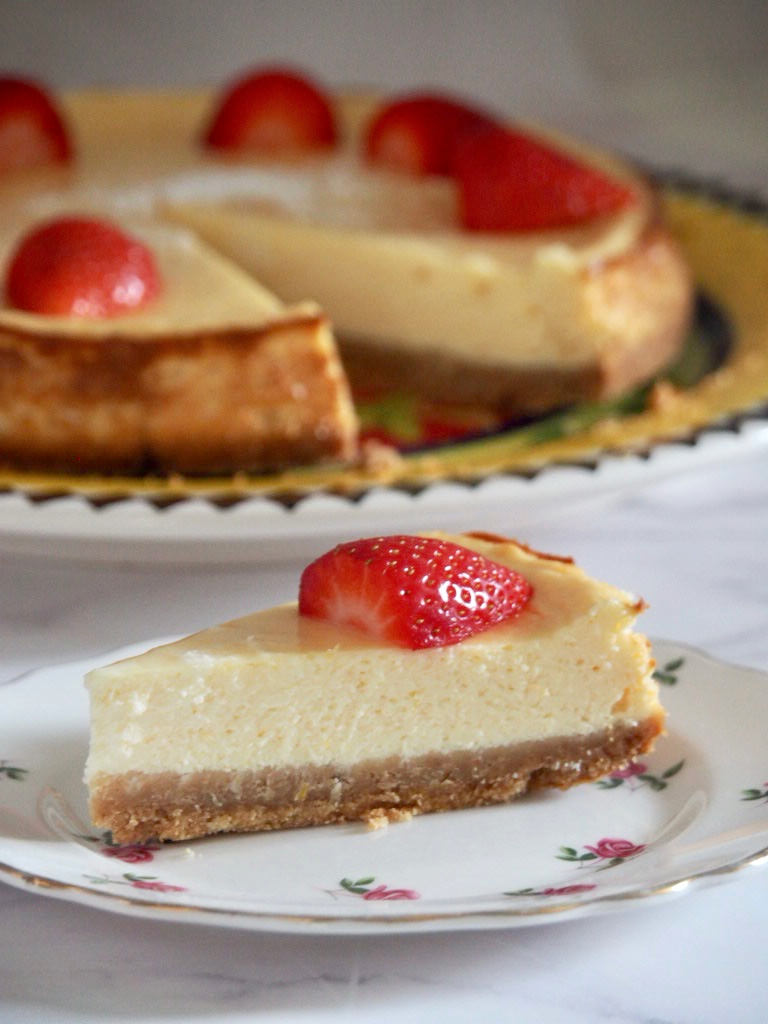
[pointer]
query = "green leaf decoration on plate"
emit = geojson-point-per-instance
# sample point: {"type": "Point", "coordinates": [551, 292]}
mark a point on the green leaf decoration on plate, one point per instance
{"type": "Point", "coordinates": [359, 887]}
{"type": "Point", "coordinates": [755, 794]}
{"type": "Point", "coordinates": [668, 674]}
{"type": "Point", "coordinates": [13, 772]}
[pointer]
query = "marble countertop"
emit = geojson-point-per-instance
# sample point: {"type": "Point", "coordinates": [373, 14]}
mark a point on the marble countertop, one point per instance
{"type": "Point", "coordinates": [695, 545]}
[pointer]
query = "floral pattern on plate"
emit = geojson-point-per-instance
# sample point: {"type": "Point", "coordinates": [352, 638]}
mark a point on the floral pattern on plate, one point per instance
{"type": "Point", "coordinates": [556, 890]}
{"type": "Point", "coordinates": [610, 852]}
{"type": "Point", "coordinates": [148, 883]}
{"type": "Point", "coordinates": [636, 774]}
{"type": "Point", "coordinates": [365, 889]}
{"type": "Point", "coordinates": [691, 810]}
{"type": "Point", "coordinates": [756, 794]}
{"type": "Point", "coordinates": [13, 772]}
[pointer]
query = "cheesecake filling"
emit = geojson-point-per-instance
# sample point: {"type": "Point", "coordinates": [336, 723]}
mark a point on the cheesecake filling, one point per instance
{"type": "Point", "coordinates": [348, 702]}
{"type": "Point", "coordinates": [276, 719]}
{"type": "Point", "coordinates": [294, 224]}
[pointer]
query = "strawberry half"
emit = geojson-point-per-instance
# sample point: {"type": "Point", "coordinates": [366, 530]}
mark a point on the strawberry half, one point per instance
{"type": "Point", "coordinates": [418, 134]}
{"type": "Point", "coordinates": [511, 182]}
{"type": "Point", "coordinates": [415, 592]}
{"type": "Point", "coordinates": [78, 266]}
{"type": "Point", "coordinates": [32, 132]}
{"type": "Point", "coordinates": [272, 111]}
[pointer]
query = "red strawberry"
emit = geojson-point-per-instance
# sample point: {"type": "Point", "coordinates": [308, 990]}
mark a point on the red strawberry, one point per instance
{"type": "Point", "coordinates": [32, 132]}
{"type": "Point", "coordinates": [77, 266]}
{"type": "Point", "coordinates": [418, 134]}
{"type": "Point", "coordinates": [511, 182]}
{"type": "Point", "coordinates": [411, 591]}
{"type": "Point", "coordinates": [272, 111]}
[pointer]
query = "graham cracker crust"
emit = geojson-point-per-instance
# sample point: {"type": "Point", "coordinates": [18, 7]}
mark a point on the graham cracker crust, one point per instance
{"type": "Point", "coordinates": [136, 806]}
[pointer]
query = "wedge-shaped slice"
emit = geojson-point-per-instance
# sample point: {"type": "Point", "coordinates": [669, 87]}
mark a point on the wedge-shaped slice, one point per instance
{"type": "Point", "coordinates": [279, 720]}
{"type": "Point", "coordinates": [215, 375]}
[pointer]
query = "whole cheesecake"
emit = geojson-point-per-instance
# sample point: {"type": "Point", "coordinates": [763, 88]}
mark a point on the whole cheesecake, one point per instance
{"type": "Point", "coordinates": [215, 375]}
{"type": "Point", "coordinates": [280, 719]}
{"type": "Point", "coordinates": [521, 323]}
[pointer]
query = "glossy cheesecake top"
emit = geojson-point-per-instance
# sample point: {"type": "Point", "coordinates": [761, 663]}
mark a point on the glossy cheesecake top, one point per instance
{"type": "Point", "coordinates": [274, 688]}
{"type": "Point", "coordinates": [409, 271]}
{"type": "Point", "coordinates": [200, 291]}
{"type": "Point", "coordinates": [136, 148]}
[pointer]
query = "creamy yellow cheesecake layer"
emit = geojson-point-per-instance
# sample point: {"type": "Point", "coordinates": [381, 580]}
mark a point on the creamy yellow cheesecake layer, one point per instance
{"type": "Point", "coordinates": [425, 291]}
{"type": "Point", "coordinates": [274, 688]}
{"type": "Point", "coordinates": [382, 253]}
{"type": "Point", "coordinates": [200, 291]}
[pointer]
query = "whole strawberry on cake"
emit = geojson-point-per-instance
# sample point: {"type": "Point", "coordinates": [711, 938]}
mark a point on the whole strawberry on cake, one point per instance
{"type": "Point", "coordinates": [455, 255]}
{"type": "Point", "coordinates": [413, 674]}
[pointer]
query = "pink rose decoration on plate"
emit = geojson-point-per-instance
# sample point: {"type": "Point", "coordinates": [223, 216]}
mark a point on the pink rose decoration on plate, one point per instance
{"type": "Point", "coordinates": [632, 769]}
{"type": "Point", "coordinates": [364, 887]}
{"type": "Point", "coordinates": [153, 885]}
{"type": "Point", "coordinates": [610, 851]}
{"type": "Point", "coordinates": [635, 775]}
{"type": "Point", "coordinates": [554, 890]}
{"type": "Point", "coordinates": [381, 892]}
{"type": "Point", "coordinates": [607, 849]}
{"type": "Point", "coordinates": [148, 882]}
{"type": "Point", "coordinates": [132, 854]}
{"type": "Point", "coordinates": [566, 890]}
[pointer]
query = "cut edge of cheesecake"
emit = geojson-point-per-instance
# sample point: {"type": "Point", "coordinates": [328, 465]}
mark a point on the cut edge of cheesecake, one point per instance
{"type": "Point", "coordinates": [524, 330]}
{"type": "Point", "coordinates": [532, 666]}
{"type": "Point", "coordinates": [636, 310]}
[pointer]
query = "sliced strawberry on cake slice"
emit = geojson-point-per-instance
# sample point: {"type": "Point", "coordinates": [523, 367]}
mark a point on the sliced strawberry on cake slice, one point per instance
{"type": "Point", "coordinates": [32, 131]}
{"type": "Point", "coordinates": [272, 111]}
{"type": "Point", "coordinates": [418, 134]}
{"type": "Point", "coordinates": [510, 181]}
{"type": "Point", "coordinates": [81, 266]}
{"type": "Point", "coordinates": [414, 592]}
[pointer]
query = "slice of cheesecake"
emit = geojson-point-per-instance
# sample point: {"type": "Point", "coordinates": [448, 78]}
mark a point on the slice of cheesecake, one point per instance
{"type": "Point", "coordinates": [279, 719]}
{"type": "Point", "coordinates": [215, 375]}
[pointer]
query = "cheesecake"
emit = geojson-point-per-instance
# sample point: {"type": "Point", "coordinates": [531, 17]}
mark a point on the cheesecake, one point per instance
{"type": "Point", "coordinates": [520, 324]}
{"type": "Point", "coordinates": [282, 719]}
{"type": "Point", "coordinates": [213, 376]}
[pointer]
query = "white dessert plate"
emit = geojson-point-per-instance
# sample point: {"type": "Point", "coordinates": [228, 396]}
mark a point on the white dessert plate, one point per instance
{"type": "Point", "coordinates": [694, 811]}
